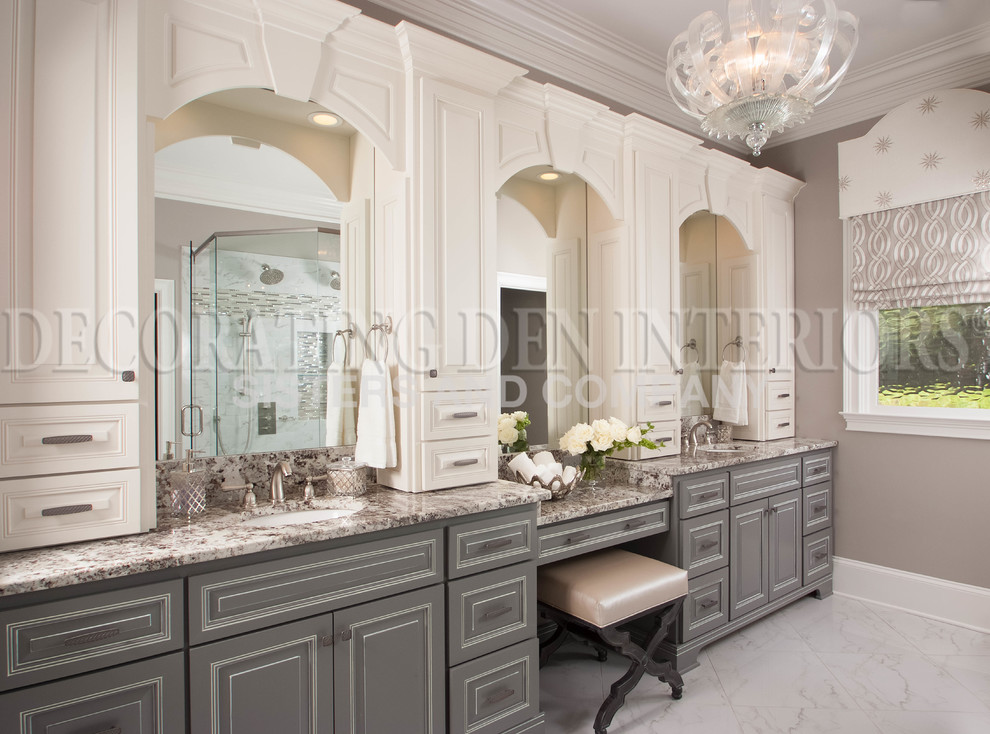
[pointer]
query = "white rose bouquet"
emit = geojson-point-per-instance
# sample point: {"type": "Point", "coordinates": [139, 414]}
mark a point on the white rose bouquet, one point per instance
{"type": "Point", "coordinates": [512, 430]}
{"type": "Point", "coordinates": [600, 439]}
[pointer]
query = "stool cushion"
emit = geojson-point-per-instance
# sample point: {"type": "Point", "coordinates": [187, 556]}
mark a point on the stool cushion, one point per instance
{"type": "Point", "coordinates": [609, 586]}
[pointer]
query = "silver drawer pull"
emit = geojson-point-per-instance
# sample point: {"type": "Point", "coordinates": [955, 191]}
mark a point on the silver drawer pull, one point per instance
{"type": "Point", "coordinates": [493, 544]}
{"type": "Point", "coordinates": [578, 538]}
{"type": "Point", "coordinates": [818, 509]}
{"type": "Point", "coordinates": [705, 545]}
{"type": "Point", "coordinates": [783, 425]}
{"type": "Point", "coordinates": [666, 439]}
{"type": "Point", "coordinates": [819, 555]}
{"type": "Point", "coordinates": [67, 439]}
{"type": "Point", "coordinates": [709, 495]}
{"type": "Point", "coordinates": [664, 403]}
{"type": "Point", "coordinates": [708, 604]}
{"type": "Point", "coordinates": [817, 470]}
{"type": "Point", "coordinates": [66, 510]}
{"type": "Point", "coordinates": [496, 613]}
{"type": "Point", "coordinates": [114, 730]}
{"type": "Point", "coordinates": [633, 524]}
{"type": "Point", "coordinates": [90, 637]}
{"type": "Point", "coordinates": [784, 395]}
{"type": "Point", "coordinates": [466, 414]}
{"type": "Point", "coordinates": [465, 462]}
{"type": "Point", "coordinates": [500, 696]}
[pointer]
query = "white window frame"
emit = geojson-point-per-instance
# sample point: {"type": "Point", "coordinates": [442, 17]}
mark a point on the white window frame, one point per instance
{"type": "Point", "coordinates": [861, 381]}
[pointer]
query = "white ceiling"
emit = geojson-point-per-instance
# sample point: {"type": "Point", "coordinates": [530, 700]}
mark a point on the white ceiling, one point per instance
{"type": "Point", "coordinates": [617, 49]}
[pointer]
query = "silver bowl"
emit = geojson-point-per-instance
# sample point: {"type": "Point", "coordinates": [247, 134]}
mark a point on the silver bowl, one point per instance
{"type": "Point", "coordinates": [557, 487]}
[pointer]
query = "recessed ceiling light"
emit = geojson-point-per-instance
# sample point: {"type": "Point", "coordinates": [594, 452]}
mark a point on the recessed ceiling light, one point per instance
{"type": "Point", "coordinates": [550, 176]}
{"type": "Point", "coordinates": [324, 119]}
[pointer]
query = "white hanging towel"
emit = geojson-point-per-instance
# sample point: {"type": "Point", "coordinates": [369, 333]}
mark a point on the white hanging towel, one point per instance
{"type": "Point", "coordinates": [730, 394]}
{"type": "Point", "coordinates": [376, 417]}
{"type": "Point", "coordinates": [692, 391]}
{"type": "Point", "coordinates": [340, 406]}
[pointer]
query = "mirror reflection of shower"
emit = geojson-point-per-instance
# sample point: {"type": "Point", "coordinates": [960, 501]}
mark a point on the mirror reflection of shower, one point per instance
{"type": "Point", "coordinates": [265, 305]}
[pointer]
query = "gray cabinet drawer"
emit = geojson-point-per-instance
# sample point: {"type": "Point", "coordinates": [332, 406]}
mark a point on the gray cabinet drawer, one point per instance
{"type": "Point", "coordinates": [490, 610]}
{"type": "Point", "coordinates": [705, 543]}
{"type": "Point", "coordinates": [764, 479]}
{"type": "Point", "coordinates": [240, 599]}
{"type": "Point", "coordinates": [817, 468]}
{"type": "Point", "coordinates": [53, 640]}
{"type": "Point", "coordinates": [817, 556]}
{"type": "Point", "coordinates": [817, 507]}
{"type": "Point", "coordinates": [565, 539]}
{"type": "Point", "coordinates": [497, 691]}
{"type": "Point", "coordinates": [481, 545]}
{"type": "Point", "coordinates": [706, 606]}
{"type": "Point", "coordinates": [138, 698]}
{"type": "Point", "coordinates": [698, 495]}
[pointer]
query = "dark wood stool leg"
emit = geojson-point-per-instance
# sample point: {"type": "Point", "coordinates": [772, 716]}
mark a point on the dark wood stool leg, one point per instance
{"type": "Point", "coordinates": [643, 662]}
{"type": "Point", "coordinates": [551, 646]}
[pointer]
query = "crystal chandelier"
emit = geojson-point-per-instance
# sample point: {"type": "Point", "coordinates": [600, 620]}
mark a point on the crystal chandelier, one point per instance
{"type": "Point", "coordinates": [763, 70]}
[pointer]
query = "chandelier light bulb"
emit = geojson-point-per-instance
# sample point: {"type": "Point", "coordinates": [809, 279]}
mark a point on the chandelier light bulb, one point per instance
{"type": "Point", "coordinates": [762, 70]}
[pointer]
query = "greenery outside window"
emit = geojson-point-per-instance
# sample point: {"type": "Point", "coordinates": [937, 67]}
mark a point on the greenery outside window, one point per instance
{"type": "Point", "coordinates": [935, 357]}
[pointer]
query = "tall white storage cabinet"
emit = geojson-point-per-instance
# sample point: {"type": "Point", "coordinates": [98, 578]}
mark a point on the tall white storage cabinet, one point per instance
{"type": "Point", "coordinates": [71, 372]}
{"type": "Point", "coordinates": [443, 302]}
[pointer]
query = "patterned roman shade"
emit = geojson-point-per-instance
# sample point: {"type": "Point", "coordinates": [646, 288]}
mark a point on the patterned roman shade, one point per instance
{"type": "Point", "coordinates": [930, 254]}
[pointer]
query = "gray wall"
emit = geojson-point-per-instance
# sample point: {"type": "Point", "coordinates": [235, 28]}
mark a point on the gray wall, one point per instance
{"type": "Point", "coordinates": [919, 504]}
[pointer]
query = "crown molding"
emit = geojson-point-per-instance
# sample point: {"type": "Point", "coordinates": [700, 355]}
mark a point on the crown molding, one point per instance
{"type": "Point", "coordinates": [551, 39]}
{"type": "Point", "coordinates": [185, 185]}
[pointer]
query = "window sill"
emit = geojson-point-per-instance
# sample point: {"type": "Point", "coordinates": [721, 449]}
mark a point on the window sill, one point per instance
{"type": "Point", "coordinates": [919, 425]}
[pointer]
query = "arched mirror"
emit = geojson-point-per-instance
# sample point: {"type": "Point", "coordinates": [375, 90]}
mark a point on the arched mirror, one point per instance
{"type": "Point", "coordinates": [263, 273]}
{"type": "Point", "coordinates": [716, 280]}
{"type": "Point", "coordinates": [546, 220]}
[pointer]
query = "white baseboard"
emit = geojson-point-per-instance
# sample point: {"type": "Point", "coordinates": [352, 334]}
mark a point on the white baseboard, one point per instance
{"type": "Point", "coordinates": [946, 601]}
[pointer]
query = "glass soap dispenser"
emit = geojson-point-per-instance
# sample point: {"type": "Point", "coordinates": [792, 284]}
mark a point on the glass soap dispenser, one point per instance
{"type": "Point", "coordinates": [188, 487]}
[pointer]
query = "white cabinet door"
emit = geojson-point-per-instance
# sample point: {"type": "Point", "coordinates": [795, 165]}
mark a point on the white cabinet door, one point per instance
{"type": "Point", "coordinates": [458, 321]}
{"type": "Point", "coordinates": [70, 126]}
{"type": "Point", "coordinates": [778, 243]}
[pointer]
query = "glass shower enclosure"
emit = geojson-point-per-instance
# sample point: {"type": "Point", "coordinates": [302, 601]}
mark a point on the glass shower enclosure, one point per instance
{"type": "Point", "coordinates": [265, 311]}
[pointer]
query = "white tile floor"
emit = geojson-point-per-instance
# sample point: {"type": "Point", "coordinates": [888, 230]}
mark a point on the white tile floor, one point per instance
{"type": "Point", "coordinates": [832, 665]}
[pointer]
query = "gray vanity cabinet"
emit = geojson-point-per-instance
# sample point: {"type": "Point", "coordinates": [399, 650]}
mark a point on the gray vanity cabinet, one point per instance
{"type": "Point", "coordinates": [389, 666]}
{"type": "Point", "coordinates": [785, 544]}
{"type": "Point", "coordinates": [138, 698]}
{"type": "Point", "coordinates": [749, 531]}
{"type": "Point", "coordinates": [275, 680]}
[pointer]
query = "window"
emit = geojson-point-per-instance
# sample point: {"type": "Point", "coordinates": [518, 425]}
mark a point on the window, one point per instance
{"type": "Point", "coordinates": [935, 357]}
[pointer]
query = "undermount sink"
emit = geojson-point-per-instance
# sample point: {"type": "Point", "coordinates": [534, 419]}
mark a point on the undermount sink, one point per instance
{"type": "Point", "coordinates": [298, 517]}
{"type": "Point", "coordinates": [724, 448]}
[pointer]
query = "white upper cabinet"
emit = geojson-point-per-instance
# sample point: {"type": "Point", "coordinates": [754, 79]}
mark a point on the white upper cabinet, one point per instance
{"type": "Point", "coordinates": [71, 125]}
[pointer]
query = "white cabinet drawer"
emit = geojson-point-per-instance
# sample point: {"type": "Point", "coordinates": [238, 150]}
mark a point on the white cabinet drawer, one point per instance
{"type": "Point", "coordinates": [780, 424]}
{"type": "Point", "coordinates": [56, 439]}
{"type": "Point", "coordinates": [657, 403]}
{"type": "Point", "coordinates": [67, 509]}
{"type": "Point", "coordinates": [459, 462]}
{"type": "Point", "coordinates": [458, 414]}
{"type": "Point", "coordinates": [670, 433]}
{"type": "Point", "coordinates": [780, 395]}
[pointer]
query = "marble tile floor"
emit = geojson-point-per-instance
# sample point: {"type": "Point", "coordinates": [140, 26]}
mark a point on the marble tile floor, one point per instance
{"type": "Point", "coordinates": [832, 665]}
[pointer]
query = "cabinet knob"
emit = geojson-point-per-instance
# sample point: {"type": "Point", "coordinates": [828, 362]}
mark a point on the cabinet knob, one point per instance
{"type": "Point", "coordinates": [326, 640]}
{"type": "Point", "coordinates": [128, 376]}
{"type": "Point", "coordinates": [433, 373]}
{"type": "Point", "coordinates": [345, 635]}
{"type": "Point", "coordinates": [773, 370]}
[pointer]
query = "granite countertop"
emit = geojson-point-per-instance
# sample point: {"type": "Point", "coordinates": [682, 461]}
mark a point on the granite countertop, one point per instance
{"type": "Point", "coordinates": [221, 533]}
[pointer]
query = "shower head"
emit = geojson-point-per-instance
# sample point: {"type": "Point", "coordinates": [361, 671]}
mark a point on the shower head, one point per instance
{"type": "Point", "coordinates": [271, 276]}
{"type": "Point", "coordinates": [335, 280]}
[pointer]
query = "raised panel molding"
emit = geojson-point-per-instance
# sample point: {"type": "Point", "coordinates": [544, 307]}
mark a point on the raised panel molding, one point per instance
{"type": "Point", "coordinates": [516, 142]}
{"type": "Point", "coordinates": [604, 169]}
{"type": "Point", "coordinates": [193, 51]}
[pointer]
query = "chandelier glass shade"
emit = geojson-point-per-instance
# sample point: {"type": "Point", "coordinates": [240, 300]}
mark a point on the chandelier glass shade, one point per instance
{"type": "Point", "coordinates": [763, 69]}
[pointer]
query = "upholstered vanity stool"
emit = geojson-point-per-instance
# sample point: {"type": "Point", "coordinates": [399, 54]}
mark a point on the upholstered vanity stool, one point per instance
{"type": "Point", "coordinates": [597, 592]}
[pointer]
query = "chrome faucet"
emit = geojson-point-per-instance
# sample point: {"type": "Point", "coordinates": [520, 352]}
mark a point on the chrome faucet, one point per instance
{"type": "Point", "coordinates": [275, 490]}
{"type": "Point", "coordinates": [693, 435]}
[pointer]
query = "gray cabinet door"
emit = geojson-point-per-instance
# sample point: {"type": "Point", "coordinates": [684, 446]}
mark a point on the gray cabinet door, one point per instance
{"type": "Point", "coordinates": [785, 543]}
{"type": "Point", "coordinates": [139, 698]}
{"type": "Point", "coordinates": [276, 680]}
{"type": "Point", "coordinates": [748, 563]}
{"type": "Point", "coordinates": [389, 665]}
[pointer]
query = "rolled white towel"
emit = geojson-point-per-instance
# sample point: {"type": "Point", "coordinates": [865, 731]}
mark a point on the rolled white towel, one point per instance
{"type": "Point", "coordinates": [522, 464]}
{"type": "Point", "coordinates": [546, 474]}
{"type": "Point", "coordinates": [568, 474]}
{"type": "Point", "coordinates": [543, 457]}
